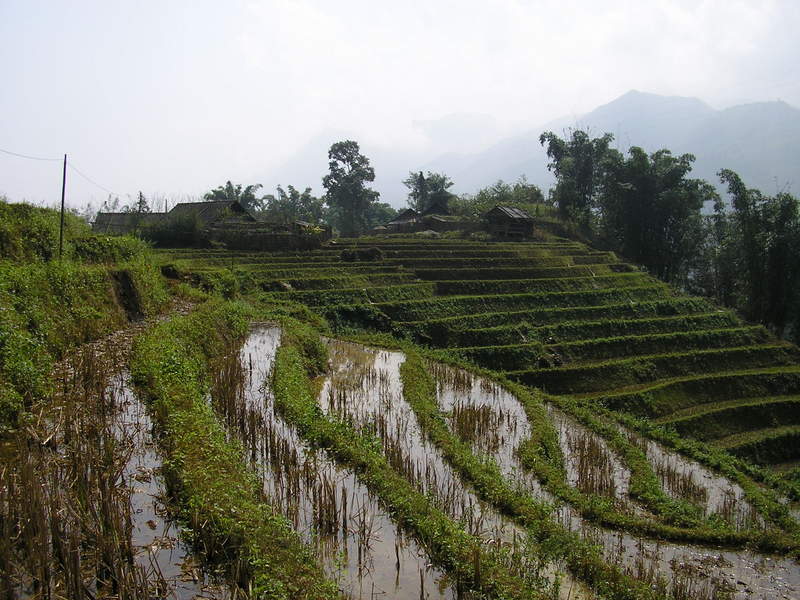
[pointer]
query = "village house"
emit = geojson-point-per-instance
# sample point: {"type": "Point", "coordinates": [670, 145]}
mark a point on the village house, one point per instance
{"type": "Point", "coordinates": [509, 222]}
{"type": "Point", "coordinates": [226, 223]}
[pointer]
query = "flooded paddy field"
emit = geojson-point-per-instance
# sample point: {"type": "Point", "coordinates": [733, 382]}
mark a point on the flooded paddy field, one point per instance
{"type": "Point", "coordinates": [605, 475]}
{"type": "Point", "coordinates": [356, 540]}
{"type": "Point", "coordinates": [83, 502]}
{"type": "Point", "coordinates": [492, 420]}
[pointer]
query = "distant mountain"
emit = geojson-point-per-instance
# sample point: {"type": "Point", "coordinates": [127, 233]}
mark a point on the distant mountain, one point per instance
{"type": "Point", "coordinates": [759, 141]}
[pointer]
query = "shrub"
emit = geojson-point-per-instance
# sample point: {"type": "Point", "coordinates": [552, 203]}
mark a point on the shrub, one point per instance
{"type": "Point", "coordinates": [107, 249]}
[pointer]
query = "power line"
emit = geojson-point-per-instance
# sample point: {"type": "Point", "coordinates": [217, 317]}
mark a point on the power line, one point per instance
{"type": "Point", "coordinates": [29, 157]}
{"type": "Point", "coordinates": [90, 180]}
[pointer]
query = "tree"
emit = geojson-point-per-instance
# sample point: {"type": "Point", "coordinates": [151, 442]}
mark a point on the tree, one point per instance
{"type": "Point", "coordinates": [649, 210]}
{"type": "Point", "coordinates": [759, 256]}
{"type": "Point", "coordinates": [423, 190]}
{"type": "Point", "coordinates": [234, 193]}
{"type": "Point", "coordinates": [521, 194]}
{"type": "Point", "coordinates": [347, 194]}
{"type": "Point", "coordinates": [141, 205]}
{"type": "Point", "coordinates": [578, 164]}
{"type": "Point", "coordinates": [291, 205]}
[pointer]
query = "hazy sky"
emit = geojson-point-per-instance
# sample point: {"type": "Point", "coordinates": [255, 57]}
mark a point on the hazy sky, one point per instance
{"type": "Point", "coordinates": [174, 97]}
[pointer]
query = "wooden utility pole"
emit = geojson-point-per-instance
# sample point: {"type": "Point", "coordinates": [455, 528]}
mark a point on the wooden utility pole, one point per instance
{"type": "Point", "coordinates": [61, 229]}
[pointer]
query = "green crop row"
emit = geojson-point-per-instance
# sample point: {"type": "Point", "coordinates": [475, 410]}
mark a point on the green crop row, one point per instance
{"type": "Point", "coordinates": [765, 446]}
{"type": "Point", "coordinates": [668, 397]}
{"type": "Point", "coordinates": [520, 329]}
{"type": "Point", "coordinates": [633, 371]}
{"type": "Point", "coordinates": [551, 284]}
{"type": "Point", "coordinates": [361, 295]}
{"type": "Point", "coordinates": [335, 281]}
{"type": "Point", "coordinates": [659, 343]}
{"type": "Point", "coordinates": [530, 272]}
{"type": "Point", "coordinates": [434, 261]}
{"type": "Point", "coordinates": [739, 418]}
{"type": "Point", "coordinates": [464, 305]}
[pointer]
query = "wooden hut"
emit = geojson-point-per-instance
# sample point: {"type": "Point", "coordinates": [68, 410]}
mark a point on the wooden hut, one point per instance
{"type": "Point", "coordinates": [509, 222]}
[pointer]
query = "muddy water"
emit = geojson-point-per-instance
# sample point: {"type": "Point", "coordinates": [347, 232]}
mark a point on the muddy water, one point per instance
{"type": "Point", "coordinates": [365, 390]}
{"type": "Point", "coordinates": [683, 478]}
{"type": "Point", "coordinates": [87, 470]}
{"type": "Point", "coordinates": [687, 571]}
{"type": "Point", "coordinates": [158, 544]}
{"type": "Point", "coordinates": [354, 537]}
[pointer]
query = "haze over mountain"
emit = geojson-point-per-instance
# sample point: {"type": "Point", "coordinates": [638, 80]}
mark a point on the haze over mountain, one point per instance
{"type": "Point", "coordinates": [760, 141]}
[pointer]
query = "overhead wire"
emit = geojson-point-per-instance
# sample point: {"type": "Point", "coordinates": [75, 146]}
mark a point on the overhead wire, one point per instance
{"type": "Point", "coordinates": [30, 157]}
{"type": "Point", "coordinates": [69, 164]}
{"type": "Point", "coordinates": [90, 180]}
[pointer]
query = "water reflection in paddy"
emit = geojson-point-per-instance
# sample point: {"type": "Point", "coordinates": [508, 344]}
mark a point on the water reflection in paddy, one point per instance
{"type": "Point", "coordinates": [491, 419]}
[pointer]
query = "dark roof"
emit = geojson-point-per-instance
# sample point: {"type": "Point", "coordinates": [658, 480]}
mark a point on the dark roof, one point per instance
{"type": "Point", "coordinates": [208, 212]}
{"type": "Point", "coordinates": [438, 206]}
{"type": "Point", "coordinates": [409, 215]}
{"type": "Point", "coordinates": [116, 220]}
{"type": "Point", "coordinates": [509, 212]}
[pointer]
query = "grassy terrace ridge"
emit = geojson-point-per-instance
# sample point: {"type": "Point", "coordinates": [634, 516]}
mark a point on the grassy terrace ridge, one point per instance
{"type": "Point", "coordinates": [464, 273]}
{"type": "Point", "coordinates": [608, 374]}
{"type": "Point", "coordinates": [468, 304]}
{"type": "Point", "coordinates": [764, 446]}
{"type": "Point", "coordinates": [651, 343]}
{"type": "Point", "coordinates": [564, 317]}
{"type": "Point", "coordinates": [373, 294]}
{"type": "Point", "coordinates": [657, 399]}
{"type": "Point", "coordinates": [336, 281]}
{"type": "Point", "coordinates": [716, 422]}
{"type": "Point", "coordinates": [566, 332]}
{"type": "Point", "coordinates": [699, 410]}
{"type": "Point", "coordinates": [592, 351]}
{"type": "Point", "coordinates": [544, 284]}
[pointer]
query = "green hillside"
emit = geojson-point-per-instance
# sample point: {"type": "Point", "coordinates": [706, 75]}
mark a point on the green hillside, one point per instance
{"type": "Point", "coordinates": [555, 315]}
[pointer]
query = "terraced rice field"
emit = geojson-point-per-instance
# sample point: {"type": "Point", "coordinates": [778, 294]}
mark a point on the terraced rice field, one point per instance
{"type": "Point", "coordinates": [621, 420]}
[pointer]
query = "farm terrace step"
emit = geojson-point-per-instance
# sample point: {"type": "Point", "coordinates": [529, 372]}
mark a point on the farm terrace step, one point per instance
{"type": "Point", "coordinates": [610, 374]}
{"type": "Point", "coordinates": [657, 343]}
{"type": "Point", "coordinates": [680, 393]}
{"type": "Point", "coordinates": [672, 307]}
{"type": "Point", "coordinates": [528, 272]}
{"type": "Point", "coordinates": [461, 305]}
{"type": "Point", "coordinates": [550, 284]}
{"type": "Point", "coordinates": [522, 327]}
{"type": "Point", "coordinates": [724, 419]}
{"type": "Point", "coordinates": [764, 446]}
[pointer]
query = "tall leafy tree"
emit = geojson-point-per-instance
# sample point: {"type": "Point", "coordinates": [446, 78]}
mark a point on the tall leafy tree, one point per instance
{"type": "Point", "coordinates": [235, 193]}
{"type": "Point", "coordinates": [347, 193]}
{"type": "Point", "coordinates": [424, 189]}
{"type": "Point", "coordinates": [521, 194]}
{"type": "Point", "coordinates": [762, 249]}
{"type": "Point", "coordinates": [649, 210]}
{"type": "Point", "coordinates": [292, 205]}
{"type": "Point", "coordinates": [578, 164]}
